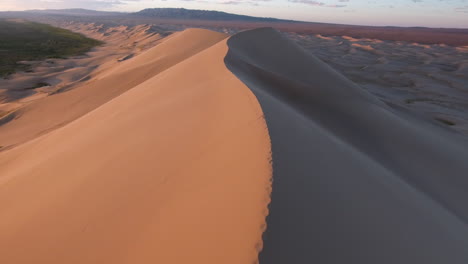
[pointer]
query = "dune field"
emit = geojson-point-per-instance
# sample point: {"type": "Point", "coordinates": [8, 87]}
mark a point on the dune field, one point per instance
{"type": "Point", "coordinates": [201, 147]}
{"type": "Point", "coordinates": [428, 79]}
{"type": "Point", "coordinates": [55, 75]}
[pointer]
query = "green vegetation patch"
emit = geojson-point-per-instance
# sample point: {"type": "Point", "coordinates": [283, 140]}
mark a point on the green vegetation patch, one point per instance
{"type": "Point", "coordinates": [26, 41]}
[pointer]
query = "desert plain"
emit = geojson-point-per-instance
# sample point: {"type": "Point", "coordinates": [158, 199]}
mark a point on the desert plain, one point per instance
{"type": "Point", "coordinates": [225, 144]}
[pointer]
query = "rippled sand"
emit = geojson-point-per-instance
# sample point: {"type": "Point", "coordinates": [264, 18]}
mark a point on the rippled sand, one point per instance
{"type": "Point", "coordinates": [431, 79]}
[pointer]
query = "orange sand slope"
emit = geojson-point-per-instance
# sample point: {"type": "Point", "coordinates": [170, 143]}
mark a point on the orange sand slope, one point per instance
{"type": "Point", "coordinates": [175, 170]}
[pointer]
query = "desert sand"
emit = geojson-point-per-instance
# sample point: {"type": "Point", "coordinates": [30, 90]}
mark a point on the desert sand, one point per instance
{"type": "Point", "coordinates": [107, 81]}
{"type": "Point", "coordinates": [64, 74]}
{"type": "Point", "coordinates": [120, 42]}
{"type": "Point", "coordinates": [428, 79]}
{"type": "Point", "coordinates": [209, 148]}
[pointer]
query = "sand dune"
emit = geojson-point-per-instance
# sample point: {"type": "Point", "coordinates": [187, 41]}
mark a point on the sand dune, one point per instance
{"type": "Point", "coordinates": [167, 156]}
{"type": "Point", "coordinates": [176, 170]}
{"type": "Point", "coordinates": [60, 73]}
{"type": "Point", "coordinates": [18, 91]}
{"type": "Point", "coordinates": [354, 181]}
{"type": "Point", "coordinates": [107, 83]}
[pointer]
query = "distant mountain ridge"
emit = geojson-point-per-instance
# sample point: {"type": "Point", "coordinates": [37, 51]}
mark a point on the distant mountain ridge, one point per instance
{"type": "Point", "coordinates": [73, 12]}
{"type": "Point", "coordinates": [221, 20]}
{"type": "Point", "coordinates": [191, 14]}
{"type": "Point", "coordinates": [162, 13]}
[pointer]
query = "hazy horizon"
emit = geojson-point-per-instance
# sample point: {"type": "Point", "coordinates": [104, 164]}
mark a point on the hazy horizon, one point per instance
{"type": "Point", "coordinates": [408, 13]}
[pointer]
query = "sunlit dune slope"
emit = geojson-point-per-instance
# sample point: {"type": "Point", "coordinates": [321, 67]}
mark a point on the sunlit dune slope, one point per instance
{"type": "Point", "coordinates": [354, 180]}
{"type": "Point", "coordinates": [175, 170]}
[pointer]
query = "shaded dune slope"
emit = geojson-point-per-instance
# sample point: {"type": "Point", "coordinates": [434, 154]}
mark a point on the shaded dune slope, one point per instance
{"type": "Point", "coordinates": [175, 170]}
{"type": "Point", "coordinates": [354, 180]}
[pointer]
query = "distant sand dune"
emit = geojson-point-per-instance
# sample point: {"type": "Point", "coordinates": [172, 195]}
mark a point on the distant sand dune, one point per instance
{"type": "Point", "coordinates": [55, 75]}
{"type": "Point", "coordinates": [61, 108]}
{"type": "Point", "coordinates": [429, 79]}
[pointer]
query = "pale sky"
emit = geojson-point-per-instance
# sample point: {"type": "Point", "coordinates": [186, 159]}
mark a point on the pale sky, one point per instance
{"type": "Point", "coordinates": [431, 13]}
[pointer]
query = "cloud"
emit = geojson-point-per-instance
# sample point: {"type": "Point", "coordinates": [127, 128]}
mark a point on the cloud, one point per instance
{"type": "Point", "coordinates": [242, 2]}
{"type": "Point", "coordinates": [317, 3]}
{"type": "Point", "coordinates": [61, 4]}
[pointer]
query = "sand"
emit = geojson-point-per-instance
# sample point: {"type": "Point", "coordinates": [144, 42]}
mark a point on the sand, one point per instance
{"type": "Point", "coordinates": [65, 73]}
{"type": "Point", "coordinates": [111, 79]}
{"type": "Point", "coordinates": [431, 80]}
{"type": "Point", "coordinates": [18, 99]}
